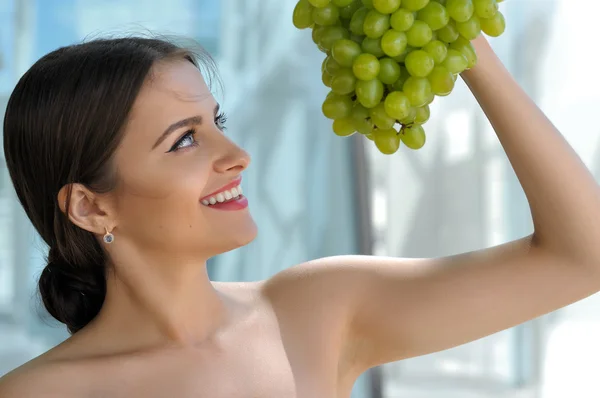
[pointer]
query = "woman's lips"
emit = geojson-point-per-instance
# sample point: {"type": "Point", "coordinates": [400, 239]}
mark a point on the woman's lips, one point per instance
{"type": "Point", "coordinates": [228, 197]}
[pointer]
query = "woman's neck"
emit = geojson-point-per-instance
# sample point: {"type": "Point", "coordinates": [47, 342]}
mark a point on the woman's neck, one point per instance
{"type": "Point", "coordinates": [151, 303]}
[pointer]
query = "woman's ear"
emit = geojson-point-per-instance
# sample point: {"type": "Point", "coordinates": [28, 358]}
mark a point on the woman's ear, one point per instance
{"type": "Point", "coordinates": [86, 209]}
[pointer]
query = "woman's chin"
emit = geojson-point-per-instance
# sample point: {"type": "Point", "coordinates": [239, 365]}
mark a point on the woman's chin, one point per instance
{"type": "Point", "coordinates": [236, 237]}
{"type": "Point", "coordinates": [246, 236]}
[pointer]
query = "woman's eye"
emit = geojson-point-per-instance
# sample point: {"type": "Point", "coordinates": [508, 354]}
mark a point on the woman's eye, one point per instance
{"type": "Point", "coordinates": [220, 121]}
{"type": "Point", "coordinates": [186, 141]}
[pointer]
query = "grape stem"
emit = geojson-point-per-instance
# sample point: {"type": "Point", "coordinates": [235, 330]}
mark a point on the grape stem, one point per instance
{"type": "Point", "coordinates": [404, 127]}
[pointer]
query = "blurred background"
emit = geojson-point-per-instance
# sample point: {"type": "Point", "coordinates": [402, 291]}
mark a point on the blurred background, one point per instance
{"type": "Point", "coordinates": [314, 194]}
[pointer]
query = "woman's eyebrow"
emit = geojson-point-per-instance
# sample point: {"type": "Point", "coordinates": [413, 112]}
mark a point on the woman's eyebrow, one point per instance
{"type": "Point", "coordinates": [190, 121]}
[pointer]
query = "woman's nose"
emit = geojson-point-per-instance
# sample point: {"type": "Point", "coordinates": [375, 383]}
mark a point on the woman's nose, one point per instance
{"type": "Point", "coordinates": [233, 159]}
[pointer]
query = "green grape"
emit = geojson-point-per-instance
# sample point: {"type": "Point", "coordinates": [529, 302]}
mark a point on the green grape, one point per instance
{"type": "Point", "coordinates": [366, 67]}
{"type": "Point", "coordinates": [460, 42]}
{"type": "Point", "coordinates": [402, 20]}
{"type": "Point", "coordinates": [358, 20]}
{"type": "Point", "coordinates": [460, 10]}
{"type": "Point", "coordinates": [387, 60]}
{"type": "Point", "coordinates": [342, 3]}
{"type": "Point", "coordinates": [467, 49]}
{"type": "Point", "coordinates": [393, 43]}
{"type": "Point", "coordinates": [469, 29]}
{"type": "Point", "coordinates": [331, 34]}
{"type": "Point", "coordinates": [376, 24]}
{"type": "Point", "coordinates": [485, 8]}
{"type": "Point", "coordinates": [331, 65]}
{"type": "Point", "coordinates": [359, 112]}
{"type": "Point", "coordinates": [418, 90]}
{"type": "Point", "coordinates": [344, 127]}
{"type": "Point", "coordinates": [302, 17]}
{"type": "Point", "coordinates": [389, 71]}
{"type": "Point", "coordinates": [419, 63]}
{"type": "Point", "coordinates": [435, 15]}
{"type": "Point", "coordinates": [449, 33]}
{"type": "Point", "coordinates": [442, 81]}
{"type": "Point", "coordinates": [365, 127]}
{"type": "Point", "coordinates": [380, 117]}
{"type": "Point", "coordinates": [319, 3]}
{"type": "Point", "coordinates": [317, 33]}
{"type": "Point", "coordinates": [423, 114]}
{"type": "Point", "coordinates": [419, 34]}
{"type": "Point", "coordinates": [345, 51]}
{"type": "Point", "coordinates": [398, 85]}
{"type": "Point", "coordinates": [494, 26]}
{"type": "Point", "coordinates": [430, 99]}
{"type": "Point", "coordinates": [386, 140]}
{"type": "Point", "coordinates": [362, 120]}
{"type": "Point", "coordinates": [369, 93]}
{"type": "Point", "coordinates": [414, 5]}
{"type": "Point", "coordinates": [413, 136]}
{"type": "Point", "coordinates": [372, 46]}
{"type": "Point", "coordinates": [410, 119]}
{"type": "Point", "coordinates": [348, 11]}
{"type": "Point", "coordinates": [337, 106]}
{"type": "Point", "coordinates": [326, 16]}
{"type": "Point", "coordinates": [343, 82]}
{"type": "Point", "coordinates": [326, 78]}
{"type": "Point", "coordinates": [455, 62]}
{"type": "Point", "coordinates": [397, 105]}
{"type": "Point", "coordinates": [386, 6]}
{"type": "Point", "coordinates": [402, 57]}
{"type": "Point", "coordinates": [357, 39]}
{"type": "Point", "coordinates": [437, 50]}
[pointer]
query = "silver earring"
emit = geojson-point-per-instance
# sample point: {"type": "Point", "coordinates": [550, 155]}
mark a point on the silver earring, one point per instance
{"type": "Point", "coordinates": [108, 237]}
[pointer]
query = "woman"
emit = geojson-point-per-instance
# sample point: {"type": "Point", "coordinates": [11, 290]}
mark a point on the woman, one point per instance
{"type": "Point", "coordinates": [117, 153]}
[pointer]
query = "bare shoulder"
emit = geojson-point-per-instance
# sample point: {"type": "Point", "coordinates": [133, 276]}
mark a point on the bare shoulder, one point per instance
{"type": "Point", "coordinates": [302, 285]}
{"type": "Point", "coordinates": [314, 280]}
{"type": "Point", "coordinates": [39, 377]}
{"type": "Point", "coordinates": [313, 302]}
{"type": "Point", "coordinates": [248, 293]}
{"type": "Point", "coordinates": [309, 292]}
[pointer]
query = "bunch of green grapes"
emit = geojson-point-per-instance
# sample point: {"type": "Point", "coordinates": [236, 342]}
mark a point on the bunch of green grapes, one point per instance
{"type": "Point", "coordinates": [387, 60]}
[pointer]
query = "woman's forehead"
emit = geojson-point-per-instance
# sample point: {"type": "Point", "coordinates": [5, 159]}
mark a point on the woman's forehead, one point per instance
{"type": "Point", "coordinates": [173, 89]}
{"type": "Point", "coordinates": [174, 84]}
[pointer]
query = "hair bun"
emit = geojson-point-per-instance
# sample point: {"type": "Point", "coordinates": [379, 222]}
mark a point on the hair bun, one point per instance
{"type": "Point", "coordinates": [73, 294]}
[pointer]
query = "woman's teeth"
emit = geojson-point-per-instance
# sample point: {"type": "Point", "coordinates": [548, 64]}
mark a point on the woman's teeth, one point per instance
{"type": "Point", "coordinates": [225, 196]}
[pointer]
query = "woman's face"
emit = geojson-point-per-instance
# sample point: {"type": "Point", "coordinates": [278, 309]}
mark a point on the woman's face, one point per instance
{"type": "Point", "coordinates": [174, 156]}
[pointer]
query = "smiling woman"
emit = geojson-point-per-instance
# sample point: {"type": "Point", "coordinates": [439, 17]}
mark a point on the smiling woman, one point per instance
{"type": "Point", "coordinates": [117, 152]}
{"type": "Point", "coordinates": [64, 122]}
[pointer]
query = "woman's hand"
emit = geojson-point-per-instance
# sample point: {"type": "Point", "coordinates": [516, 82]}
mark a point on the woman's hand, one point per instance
{"type": "Point", "coordinates": [485, 57]}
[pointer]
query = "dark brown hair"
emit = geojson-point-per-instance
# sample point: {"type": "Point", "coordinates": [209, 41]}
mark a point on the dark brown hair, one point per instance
{"type": "Point", "coordinates": [63, 122]}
